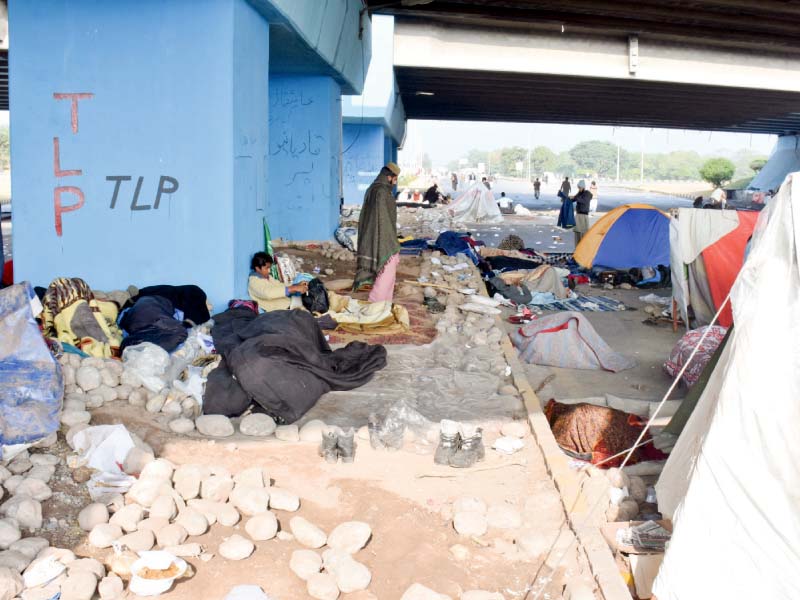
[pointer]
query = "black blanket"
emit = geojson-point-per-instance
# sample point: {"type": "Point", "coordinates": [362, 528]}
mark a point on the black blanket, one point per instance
{"type": "Point", "coordinates": [151, 319]}
{"type": "Point", "coordinates": [190, 299]}
{"type": "Point", "coordinates": [281, 361]}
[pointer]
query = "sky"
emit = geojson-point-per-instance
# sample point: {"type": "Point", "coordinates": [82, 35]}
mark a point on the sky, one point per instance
{"type": "Point", "coordinates": [444, 141]}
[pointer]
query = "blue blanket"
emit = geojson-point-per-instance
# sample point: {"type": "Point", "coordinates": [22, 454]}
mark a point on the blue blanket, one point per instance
{"type": "Point", "coordinates": [566, 216]}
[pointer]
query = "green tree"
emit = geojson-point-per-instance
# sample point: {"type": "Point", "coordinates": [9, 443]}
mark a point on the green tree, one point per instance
{"type": "Point", "coordinates": [595, 157]}
{"type": "Point", "coordinates": [475, 156]}
{"type": "Point", "coordinates": [717, 171]}
{"type": "Point", "coordinates": [564, 164]}
{"type": "Point", "coordinates": [508, 159]}
{"type": "Point", "coordinates": [682, 165]}
{"type": "Point", "coordinates": [757, 164]}
{"type": "Point", "coordinates": [542, 159]}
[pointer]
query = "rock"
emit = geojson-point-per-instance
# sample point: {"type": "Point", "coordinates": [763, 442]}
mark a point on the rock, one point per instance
{"type": "Point", "coordinates": [481, 595]}
{"type": "Point", "coordinates": [236, 547]}
{"type": "Point", "coordinates": [171, 535]}
{"type": "Point", "coordinates": [128, 517]}
{"type": "Point", "coordinates": [124, 391]}
{"type": "Point", "coordinates": [469, 503]}
{"type": "Point", "coordinates": [159, 468]}
{"type": "Point", "coordinates": [287, 433]}
{"type": "Point", "coordinates": [14, 560]}
{"type": "Point", "coordinates": [281, 499]}
{"type": "Point", "coordinates": [79, 586]}
{"type": "Point", "coordinates": [10, 583]}
{"type": "Point", "coordinates": [350, 575]}
{"type": "Point", "coordinates": [262, 527]}
{"type": "Point", "coordinates": [181, 426]}
{"type": "Point", "coordinates": [145, 491]}
{"type": "Point", "coordinates": [74, 404]}
{"type": "Point", "coordinates": [109, 378]}
{"type": "Point", "coordinates": [104, 534]}
{"type": "Point", "coordinates": [305, 563]}
{"type": "Point", "coordinates": [258, 425]}
{"type": "Point", "coordinates": [107, 394]}
{"type": "Point", "coordinates": [637, 488]}
{"type": "Point", "coordinates": [90, 565]}
{"type": "Point", "coordinates": [618, 478]}
{"type": "Point", "coordinates": [163, 506]}
{"type": "Point", "coordinates": [136, 460]}
{"type": "Point", "coordinates": [516, 429]}
{"type": "Point", "coordinates": [26, 511]}
{"type": "Point", "coordinates": [95, 399]}
{"type": "Point", "coordinates": [191, 550]}
{"type": "Point", "coordinates": [187, 480]}
{"type": "Point", "coordinates": [192, 521]}
{"type": "Point", "coordinates": [217, 426]}
{"type": "Point", "coordinates": [70, 418]}
{"type": "Point", "coordinates": [43, 473]}
{"type": "Point", "coordinates": [30, 547]}
{"type": "Point", "coordinates": [47, 592]}
{"type": "Point", "coordinates": [72, 431]}
{"type": "Point", "coordinates": [350, 537]}
{"type": "Point", "coordinates": [111, 587]}
{"type": "Point", "coordinates": [153, 524]}
{"type": "Point", "coordinates": [216, 488]}
{"type": "Point", "coordinates": [138, 541]}
{"type": "Point", "coordinates": [322, 586]}
{"type": "Point", "coordinates": [130, 378]}
{"type": "Point", "coordinates": [627, 510]}
{"type": "Point", "coordinates": [470, 523]}
{"type": "Point", "coordinates": [227, 515]}
{"type": "Point", "coordinates": [4, 474]}
{"type": "Point", "coordinates": [12, 483]}
{"type": "Point", "coordinates": [503, 516]}
{"type": "Point", "coordinates": [20, 465]}
{"type": "Point", "coordinates": [137, 397]}
{"type": "Point", "coordinates": [460, 552]}
{"type": "Point", "coordinates": [250, 500]}
{"type": "Point", "coordinates": [93, 514]}
{"type": "Point", "coordinates": [88, 378]}
{"type": "Point", "coordinates": [419, 592]}
{"type": "Point", "coordinates": [253, 477]}
{"type": "Point", "coordinates": [312, 431]}
{"type": "Point", "coordinates": [34, 488]}
{"type": "Point", "coordinates": [306, 533]}
{"type": "Point", "coordinates": [155, 404]}
{"type": "Point", "coordinates": [62, 555]}
{"type": "Point", "coordinates": [174, 409]}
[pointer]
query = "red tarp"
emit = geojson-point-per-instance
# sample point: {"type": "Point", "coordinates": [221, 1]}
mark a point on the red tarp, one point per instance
{"type": "Point", "coordinates": [724, 259]}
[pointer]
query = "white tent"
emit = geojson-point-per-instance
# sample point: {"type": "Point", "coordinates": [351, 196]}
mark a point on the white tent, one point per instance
{"type": "Point", "coordinates": [732, 482]}
{"type": "Point", "coordinates": [476, 205]}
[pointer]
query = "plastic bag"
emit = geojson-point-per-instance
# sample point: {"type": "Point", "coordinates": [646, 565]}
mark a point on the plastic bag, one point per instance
{"type": "Point", "coordinates": [149, 362]}
{"type": "Point", "coordinates": [104, 448]}
{"type": "Point", "coordinates": [316, 300]}
{"type": "Point", "coordinates": [388, 432]}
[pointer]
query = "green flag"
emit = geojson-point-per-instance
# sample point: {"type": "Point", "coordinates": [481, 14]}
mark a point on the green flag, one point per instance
{"type": "Point", "coordinates": [268, 248]}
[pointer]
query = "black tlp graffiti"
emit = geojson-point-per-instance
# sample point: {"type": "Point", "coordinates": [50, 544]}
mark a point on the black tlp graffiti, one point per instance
{"type": "Point", "coordinates": [166, 185]}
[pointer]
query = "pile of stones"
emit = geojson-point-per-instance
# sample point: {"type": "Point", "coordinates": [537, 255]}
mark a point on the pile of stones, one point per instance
{"type": "Point", "coordinates": [334, 251]}
{"type": "Point", "coordinates": [628, 496]}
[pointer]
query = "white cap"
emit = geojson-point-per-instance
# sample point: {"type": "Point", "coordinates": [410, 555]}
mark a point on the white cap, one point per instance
{"type": "Point", "coordinates": [582, 184]}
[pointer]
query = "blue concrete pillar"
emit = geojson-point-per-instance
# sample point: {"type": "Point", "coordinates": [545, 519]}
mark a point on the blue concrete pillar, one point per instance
{"type": "Point", "coordinates": [389, 149]}
{"type": "Point", "coordinates": [138, 141]}
{"type": "Point", "coordinates": [305, 130]}
{"type": "Point", "coordinates": [362, 159]}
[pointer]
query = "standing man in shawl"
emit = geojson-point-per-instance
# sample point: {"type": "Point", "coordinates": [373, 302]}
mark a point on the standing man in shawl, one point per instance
{"type": "Point", "coordinates": [378, 249]}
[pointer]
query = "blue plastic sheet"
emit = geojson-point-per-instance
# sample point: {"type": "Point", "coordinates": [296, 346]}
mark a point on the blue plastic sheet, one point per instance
{"type": "Point", "coordinates": [31, 381]}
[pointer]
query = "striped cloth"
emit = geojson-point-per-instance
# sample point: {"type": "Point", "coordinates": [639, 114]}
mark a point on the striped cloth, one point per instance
{"type": "Point", "coordinates": [585, 304]}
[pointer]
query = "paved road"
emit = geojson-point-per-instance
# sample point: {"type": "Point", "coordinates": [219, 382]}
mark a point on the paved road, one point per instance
{"type": "Point", "coordinates": [609, 197]}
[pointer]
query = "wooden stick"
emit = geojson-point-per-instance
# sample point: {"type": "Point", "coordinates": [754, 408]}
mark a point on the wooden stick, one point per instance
{"type": "Point", "coordinates": [433, 285]}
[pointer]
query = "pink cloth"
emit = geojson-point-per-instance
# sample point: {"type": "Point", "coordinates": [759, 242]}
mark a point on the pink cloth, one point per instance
{"type": "Point", "coordinates": [383, 288]}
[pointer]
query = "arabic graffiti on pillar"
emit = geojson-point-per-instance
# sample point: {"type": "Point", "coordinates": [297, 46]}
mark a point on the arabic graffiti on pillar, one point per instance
{"type": "Point", "coordinates": [166, 184]}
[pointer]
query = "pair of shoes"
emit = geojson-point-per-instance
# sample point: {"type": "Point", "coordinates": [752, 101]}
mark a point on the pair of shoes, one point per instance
{"type": "Point", "coordinates": [338, 444]}
{"type": "Point", "coordinates": [459, 445]}
{"type": "Point", "coordinates": [433, 305]}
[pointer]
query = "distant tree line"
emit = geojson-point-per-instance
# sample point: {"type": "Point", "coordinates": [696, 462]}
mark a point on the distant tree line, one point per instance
{"type": "Point", "coordinates": [600, 158]}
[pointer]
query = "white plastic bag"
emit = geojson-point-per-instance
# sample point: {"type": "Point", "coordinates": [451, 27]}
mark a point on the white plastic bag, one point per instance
{"type": "Point", "coordinates": [149, 362]}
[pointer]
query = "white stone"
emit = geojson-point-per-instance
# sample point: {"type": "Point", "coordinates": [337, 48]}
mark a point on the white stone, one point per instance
{"type": "Point", "coordinates": [104, 534]}
{"type": "Point", "coordinates": [287, 433]}
{"type": "Point", "coordinates": [145, 491]}
{"type": "Point", "coordinates": [30, 547]}
{"type": "Point", "coordinates": [419, 592]}
{"type": "Point", "coordinates": [470, 523]}
{"type": "Point", "coordinates": [618, 478]}
{"type": "Point", "coordinates": [79, 586]}
{"type": "Point", "coordinates": [26, 511]}
{"type": "Point", "coordinates": [72, 431]}
{"type": "Point", "coordinates": [91, 565]}
{"type": "Point", "coordinates": [236, 547]}
{"type": "Point", "coordinates": [159, 468]}
{"type": "Point", "coordinates": [305, 563]}
{"type": "Point", "coordinates": [34, 488]}
{"type": "Point", "coordinates": [281, 499]}
{"type": "Point", "coordinates": [91, 515]}
{"type": "Point", "coordinates": [181, 426]}
{"type": "Point", "coordinates": [637, 488]}
{"type": "Point", "coordinates": [227, 515]}
{"type": "Point", "coordinates": [250, 500]}
{"type": "Point", "coordinates": [62, 555]}
{"type": "Point", "coordinates": [69, 374]}
{"type": "Point", "coordinates": [481, 595]}
{"type": "Point", "coordinates": [503, 516]}
{"type": "Point", "coordinates": [128, 517]}
{"type": "Point", "coordinates": [171, 535]}
{"type": "Point", "coordinates": [216, 488]}
{"type": "Point", "coordinates": [257, 425]}
{"type": "Point", "coordinates": [10, 583]}
{"type": "Point", "coordinates": [14, 560]}
{"type": "Point", "coordinates": [469, 503]}
{"type": "Point", "coordinates": [137, 397]}
{"type": "Point", "coordinates": [46, 442]}
{"type": "Point", "coordinates": [193, 521]}
{"type": "Point", "coordinates": [262, 527]}
{"type": "Point", "coordinates": [307, 533]}
{"type": "Point", "coordinates": [42, 472]}
{"type": "Point", "coordinates": [136, 460]}
{"type": "Point", "coordinates": [155, 404]}
{"type": "Point", "coordinates": [109, 378]}
{"type": "Point", "coordinates": [123, 391]}
{"type": "Point", "coordinates": [4, 474]}
{"type": "Point", "coordinates": [163, 506]}
{"type": "Point", "coordinates": [88, 378]}
{"type": "Point", "coordinates": [190, 550]}
{"type": "Point", "coordinates": [349, 537]}
{"type": "Point", "coordinates": [187, 479]}
{"type": "Point", "coordinates": [516, 429]}
{"type": "Point", "coordinates": [173, 409]}
{"type": "Point", "coordinates": [70, 418]}
{"type": "Point", "coordinates": [153, 524]}
{"type": "Point", "coordinates": [322, 586]}
{"type": "Point", "coordinates": [74, 404]}
{"type": "Point", "coordinates": [350, 575]}
{"type": "Point", "coordinates": [130, 378]}
{"type": "Point", "coordinates": [138, 541]}
{"type": "Point", "coordinates": [253, 477]}
{"type": "Point", "coordinates": [108, 394]}
{"type": "Point", "coordinates": [217, 426]}
{"type": "Point", "coordinates": [460, 552]}
{"type": "Point", "coordinates": [111, 587]}
{"type": "Point", "coordinates": [312, 431]}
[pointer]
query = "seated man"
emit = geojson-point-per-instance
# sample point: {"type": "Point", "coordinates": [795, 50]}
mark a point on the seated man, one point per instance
{"type": "Point", "coordinates": [503, 202]}
{"type": "Point", "coordinates": [269, 293]}
{"type": "Point", "coordinates": [432, 194]}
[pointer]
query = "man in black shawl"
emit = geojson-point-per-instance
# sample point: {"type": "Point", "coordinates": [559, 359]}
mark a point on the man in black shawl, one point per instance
{"type": "Point", "coordinates": [378, 248]}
